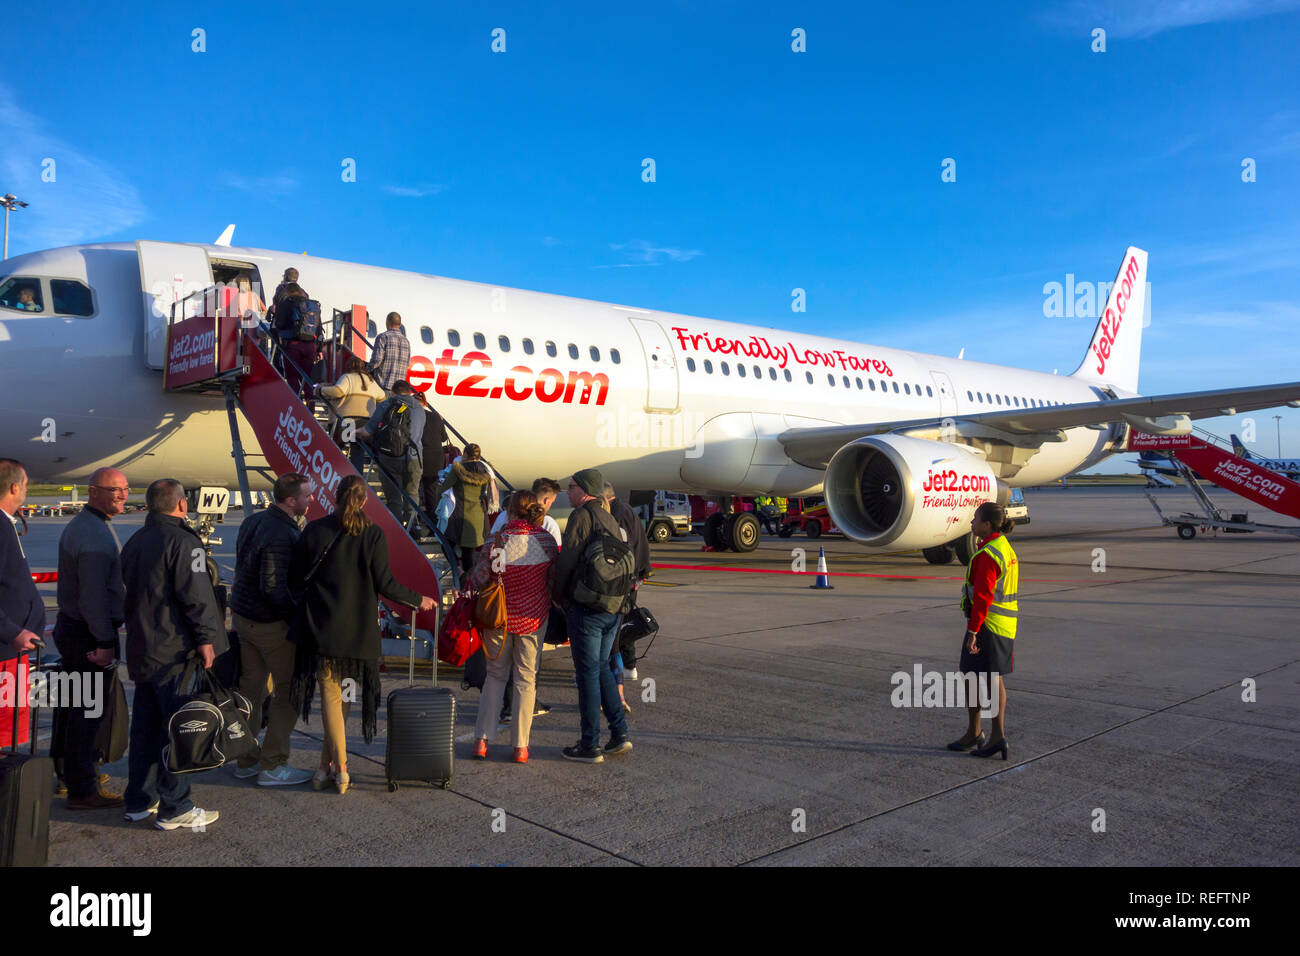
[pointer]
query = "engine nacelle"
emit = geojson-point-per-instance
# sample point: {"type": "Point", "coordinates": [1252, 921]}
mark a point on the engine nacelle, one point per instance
{"type": "Point", "coordinates": [890, 490]}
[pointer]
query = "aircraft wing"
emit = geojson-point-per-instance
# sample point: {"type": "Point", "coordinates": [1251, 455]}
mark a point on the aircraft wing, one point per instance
{"type": "Point", "coordinates": [814, 447]}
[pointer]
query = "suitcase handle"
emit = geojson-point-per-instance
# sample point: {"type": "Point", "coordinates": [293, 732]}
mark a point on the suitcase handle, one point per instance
{"type": "Point", "coordinates": [398, 625]}
{"type": "Point", "coordinates": [32, 711]}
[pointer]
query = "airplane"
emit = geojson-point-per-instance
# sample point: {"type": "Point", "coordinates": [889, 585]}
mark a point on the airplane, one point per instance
{"type": "Point", "coordinates": [904, 445]}
{"type": "Point", "coordinates": [1158, 474]}
{"type": "Point", "coordinates": [1283, 466]}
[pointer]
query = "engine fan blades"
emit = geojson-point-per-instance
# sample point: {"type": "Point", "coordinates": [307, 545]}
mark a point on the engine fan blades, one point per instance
{"type": "Point", "coordinates": [881, 491]}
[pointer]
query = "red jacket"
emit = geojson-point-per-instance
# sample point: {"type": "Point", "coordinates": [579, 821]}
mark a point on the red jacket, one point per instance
{"type": "Point", "coordinates": [983, 579]}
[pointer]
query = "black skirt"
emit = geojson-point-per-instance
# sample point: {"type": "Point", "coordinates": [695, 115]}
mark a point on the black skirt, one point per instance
{"type": "Point", "coordinates": [997, 654]}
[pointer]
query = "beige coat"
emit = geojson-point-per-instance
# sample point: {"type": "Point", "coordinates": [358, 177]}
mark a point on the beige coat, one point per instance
{"type": "Point", "coordinates": [359, 395]}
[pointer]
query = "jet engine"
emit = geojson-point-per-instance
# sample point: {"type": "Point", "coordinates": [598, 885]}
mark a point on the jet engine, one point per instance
{"type": "Point", "coordinates": [900, 492]}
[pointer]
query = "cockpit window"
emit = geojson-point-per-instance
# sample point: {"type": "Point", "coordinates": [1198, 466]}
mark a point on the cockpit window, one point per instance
{"type": "Point", "coordinates": [71, 297]}
{"type": "Point", "coordinates": [22, 294]}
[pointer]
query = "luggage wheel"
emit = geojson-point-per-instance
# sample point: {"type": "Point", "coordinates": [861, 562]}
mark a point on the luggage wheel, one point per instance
{"type": "Point", "coordinates": [392, 786]}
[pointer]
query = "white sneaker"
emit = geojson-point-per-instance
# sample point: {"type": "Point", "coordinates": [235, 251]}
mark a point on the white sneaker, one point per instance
{"type": "Point", "coordinates": [196, 819]}
{"type": "Point", "coordinates": [630, 673]}
{"type": "Point", "coordinates": [142, 814]}
{"type": "Point", "coordinates": [283, 776]}
{"type": "Point", "coordinates": [243, 773]}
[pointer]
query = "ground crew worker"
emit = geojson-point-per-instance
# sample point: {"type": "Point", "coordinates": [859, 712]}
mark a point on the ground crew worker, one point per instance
{"type": "Point", "coordinates": [989, 603]}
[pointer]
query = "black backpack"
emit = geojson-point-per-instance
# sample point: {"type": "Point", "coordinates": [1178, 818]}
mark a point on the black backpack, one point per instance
{"type": "Point", "coordinates": [606, 571]}
{"type": "Point", "coordinates": [306, 321]}
{"type": "Point", "coordinates": [393, 436]}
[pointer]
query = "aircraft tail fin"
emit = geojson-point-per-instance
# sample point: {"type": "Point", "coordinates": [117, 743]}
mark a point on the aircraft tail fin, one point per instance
{"type": "Point", "coordinates": [1114, 353]}
{"type": "Point", "coordinates": [226, 235]}
{"type": "Point", "coordinates": [1239, 449]}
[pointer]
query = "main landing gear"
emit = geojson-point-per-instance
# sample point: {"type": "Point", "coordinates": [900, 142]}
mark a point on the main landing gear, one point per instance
{"type": "Point", "coordinates": [734, 532]}
{"type": "Point", "coordinates": [962, 549]}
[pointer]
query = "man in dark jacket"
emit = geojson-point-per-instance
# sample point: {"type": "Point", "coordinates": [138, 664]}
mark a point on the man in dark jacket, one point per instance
{"type": "Point", "coordinates": [432, 440]}
{"type": "Point", "coordinates": [303, 354]}
{"type": "Point", "coordinates": [263, 608]}
{"type": "Point", "coordinates": [22, 612]}
{"type": "Point", "coordinates": [91, 610]}
{"type": "Point", "coordinates": [171, 614]}
{"type": "Point", "coordinates": [400, 469]}
{"type": "Point", "coordinates": [635, 536]}
{"type": "Point", "coordinates": [591, 630]}
{"type": "Point", "coordinates": [633, 531]}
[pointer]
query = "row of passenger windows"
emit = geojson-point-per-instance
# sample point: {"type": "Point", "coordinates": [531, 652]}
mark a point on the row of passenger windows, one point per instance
{"type": "Point", "coordinates": [1017, 401]}
{"type": "Point", "coordinates": [725, 369]}
{"type": "Point", "coordinates": [908, 388]}
{"type": "Point", "coordinates": [503, 344]}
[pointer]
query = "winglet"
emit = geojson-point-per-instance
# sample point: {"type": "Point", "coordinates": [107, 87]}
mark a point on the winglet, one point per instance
{"type": "Point", "coordinates": [225, 237]}
{"type": "Point", "coordinates": [1114, 353]}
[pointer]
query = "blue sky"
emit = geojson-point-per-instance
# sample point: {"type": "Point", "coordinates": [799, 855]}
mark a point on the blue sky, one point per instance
{"type": "Point", "coordinates": [774, 169]}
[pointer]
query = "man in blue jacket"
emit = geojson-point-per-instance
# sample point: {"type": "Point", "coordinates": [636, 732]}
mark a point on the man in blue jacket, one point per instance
{"type": "Point", "coordinates": [171, 614]}
{"type": "Point", "coordinates": [22, 612]}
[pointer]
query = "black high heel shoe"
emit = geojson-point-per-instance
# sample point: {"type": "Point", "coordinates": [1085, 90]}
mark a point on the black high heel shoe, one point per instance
{"type": "Point", "coordinates": [991, 749]}
{"type": "Point", "coordinates": [977, 742]}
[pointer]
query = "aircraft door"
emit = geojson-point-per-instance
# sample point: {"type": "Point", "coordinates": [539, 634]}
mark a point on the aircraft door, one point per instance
{"type": "Point", "coordinates": [169, 271]}
{"type": "Point", "coordinates": [946, 393]}
{"type": "Point", "coordinates": [660, 363]}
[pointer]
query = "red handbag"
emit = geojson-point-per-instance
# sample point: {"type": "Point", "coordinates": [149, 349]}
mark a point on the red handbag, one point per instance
{"type": "Point", "coordinates": [459, 638]}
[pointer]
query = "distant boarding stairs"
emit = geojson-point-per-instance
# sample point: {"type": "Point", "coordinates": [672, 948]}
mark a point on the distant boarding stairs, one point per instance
{"type": "Point", "coordinates": [214, 349]}
{"type": "Point", "coordinates": [1212, 458]}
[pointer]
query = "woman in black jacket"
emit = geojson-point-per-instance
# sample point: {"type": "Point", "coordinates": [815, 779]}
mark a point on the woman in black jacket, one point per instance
{"type": "Point", "coordinates": [340, 566]}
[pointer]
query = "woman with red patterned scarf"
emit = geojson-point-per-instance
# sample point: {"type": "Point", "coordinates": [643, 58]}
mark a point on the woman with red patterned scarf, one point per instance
{"type": "Point", "coordinates": [523, 555]}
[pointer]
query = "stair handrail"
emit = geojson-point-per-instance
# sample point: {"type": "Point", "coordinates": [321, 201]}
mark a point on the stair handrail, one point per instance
{"type": "Point", "coordinates": [372, 460]}
{"type": "Point", "coordinates": [450, 427]}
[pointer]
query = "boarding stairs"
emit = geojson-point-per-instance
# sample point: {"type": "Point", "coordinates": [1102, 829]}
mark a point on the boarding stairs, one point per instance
{"type": "Point", "coordinates": [346, 338]}
{"type": "Point", "coordinates": [213, 349]}
{"type": "Point", "coordinates": [1192, 455]}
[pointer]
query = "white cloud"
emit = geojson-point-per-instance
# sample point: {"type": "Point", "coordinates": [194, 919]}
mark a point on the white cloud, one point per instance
{"type": "Point", "coordinates": [88, 199]}
{"type": "Point", "coordinates": [424, 189]}
{"type": "Point", "coordinates": [278, 184]}
{"type": "Point", "coordinates": [642, 253]}
{"type": "Point", "coordinates": [1144, 18]}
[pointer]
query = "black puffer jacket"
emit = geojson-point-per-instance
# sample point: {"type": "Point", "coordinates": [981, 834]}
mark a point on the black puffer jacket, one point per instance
{"type": "Point", "coordinates": [632, 527]}
{"type": "Point", "coordinates": [170, 607]}
{"type": "Point", "coordinates": [262, 553]}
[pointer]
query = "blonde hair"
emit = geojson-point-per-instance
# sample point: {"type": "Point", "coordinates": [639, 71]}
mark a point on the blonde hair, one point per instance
{"type": "Point", "coordinates": [352, 503]}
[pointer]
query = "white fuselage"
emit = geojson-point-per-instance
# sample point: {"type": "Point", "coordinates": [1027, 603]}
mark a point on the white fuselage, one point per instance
{"type": "Point", "coordinates": [85, 383]}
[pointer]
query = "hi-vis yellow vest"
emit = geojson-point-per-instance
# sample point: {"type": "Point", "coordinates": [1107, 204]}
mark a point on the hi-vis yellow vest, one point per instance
{"type": "Point", "coordinates": [1003, 611]}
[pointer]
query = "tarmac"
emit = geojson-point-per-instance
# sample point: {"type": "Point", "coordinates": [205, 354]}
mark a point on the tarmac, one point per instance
{"type": "Point", "coordinates": [765, 732]}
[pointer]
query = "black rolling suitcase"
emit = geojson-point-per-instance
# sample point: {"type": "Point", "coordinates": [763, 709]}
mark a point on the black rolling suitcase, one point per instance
{"type": "Point", "coordinates": [26, 789]}
{"type": "Point", "coordinates": [421, 734]}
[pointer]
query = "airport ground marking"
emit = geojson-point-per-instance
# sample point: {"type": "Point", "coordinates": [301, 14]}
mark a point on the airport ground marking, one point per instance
{"type": "Point", "coordinates": [847, 574]}
{"type": "Point", "coordinates": [1232, 684]}
{"type": "Point", "coordinates": [378, 761]}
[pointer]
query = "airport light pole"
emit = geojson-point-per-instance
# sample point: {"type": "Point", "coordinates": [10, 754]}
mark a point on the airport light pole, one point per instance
{"type": "Point", "coordinates": [1279, 435]}
{"type": "Point", "coordinates": [10, 201]}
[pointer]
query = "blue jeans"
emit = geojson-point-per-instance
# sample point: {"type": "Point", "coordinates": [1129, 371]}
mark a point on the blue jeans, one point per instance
{"type": "Point", "coordinates": [147, 775]}
{"type": "Point", "coordinates": [591, 638]}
